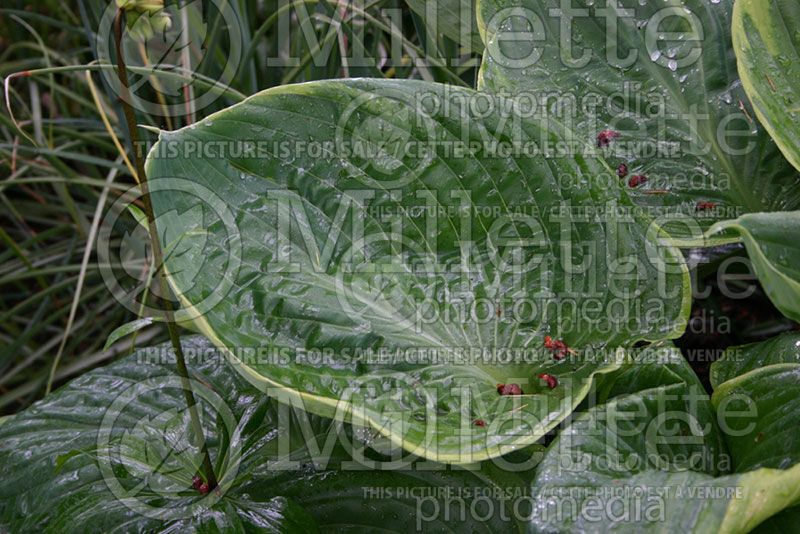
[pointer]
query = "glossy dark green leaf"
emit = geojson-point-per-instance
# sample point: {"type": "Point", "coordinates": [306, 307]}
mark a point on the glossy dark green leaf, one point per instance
{"type": "Point", "coordinates": [762, 410]}
{"type": "Point", "coordinates": [57, 477]}
{"type": "Point", "coordinates": [663, 75]}
{"type": "Point", "coordinates": [756, 388]}
{"type": "Point", "coordinates": [653, 460]}
{"type": "Point", "coordinates": [773, 245]}
{"type": "Point", "coordinates": [757, 394]}
{"type": "Point", "coordinates": [741, 360]}
{"type": "Point", "coordinates": [766, 40]}
{"type": "Point", "coordinates": [58, 473]}
{"type": "Point", "coordinates": [368, 278]}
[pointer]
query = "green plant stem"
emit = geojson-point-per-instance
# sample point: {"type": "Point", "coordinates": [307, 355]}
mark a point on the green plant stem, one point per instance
{"type": "Point", "coordinates": [158, 257]}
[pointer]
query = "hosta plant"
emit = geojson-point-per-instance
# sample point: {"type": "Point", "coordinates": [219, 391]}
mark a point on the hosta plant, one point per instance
{"type": "Point", "coordinates": [400, 286]}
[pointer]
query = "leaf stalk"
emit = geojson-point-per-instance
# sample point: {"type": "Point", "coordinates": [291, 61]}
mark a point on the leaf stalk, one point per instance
{"type": "Point", "coordinates": [158, 256]}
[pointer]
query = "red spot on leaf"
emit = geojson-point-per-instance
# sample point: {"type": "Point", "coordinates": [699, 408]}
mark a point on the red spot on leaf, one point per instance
{"type": "Point", "coordinates": [637, 180]}
{"type": "Point", "coordinates": [509, 389]}
{"type": "Point", "coordinates": [558, 347]}
{"type": "Point", "coordinates": [479, 422]}
{"type": "Point", "coordinates": [551, 381]}
{"type": "Point", "coordinates": [605, 137]}
{"type": "Point", "coordinates": [705, 205]}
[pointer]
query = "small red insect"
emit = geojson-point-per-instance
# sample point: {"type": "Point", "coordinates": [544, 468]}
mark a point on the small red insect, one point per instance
{"type": "Point", "coordinates": [637, 180]}
{"type": "Point", "coordinates": [622, 170]}
{"type": "Point", "coordinates": [552, 381]}
{"type": "Point", "coordinates": [203, 489]}
{"type": "Point", "coordinates": [479, 422]}
{"type": "Point", "coordinates": [705, 205]}
{"type": "Point", "coordinates": [196, 482]}
{"type": "Point", "coordinates": [509, 389]}
{"type": "Point", "coordinates": [605, 137]}
{"type": "Point", "coordinates": [559, 348]}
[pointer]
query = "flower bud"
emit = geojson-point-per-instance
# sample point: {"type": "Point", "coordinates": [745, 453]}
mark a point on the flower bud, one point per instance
{"type": "Point", "coordinates": [151, 6]}
{"type": "Point", "coordinates": [145, 18]}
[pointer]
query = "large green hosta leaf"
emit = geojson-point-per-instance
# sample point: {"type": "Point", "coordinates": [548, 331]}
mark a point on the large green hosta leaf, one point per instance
{"type": "Point", "coordinates": [652, 460]}
{"type": "Point", "coordinates": [331, 256]}
{"type": "Point", "coordinates": [766, 38]}
{"type": "Point", "coordinates": [759, 384]}
{"type": "Point", "coordinates": [773, 245]}
{"type": "Point", "coordinates": [65, 468]}
{"type": "Point", "coordinates": [689, 102]}
{"type": "Point", "coordinates": [765, 434]}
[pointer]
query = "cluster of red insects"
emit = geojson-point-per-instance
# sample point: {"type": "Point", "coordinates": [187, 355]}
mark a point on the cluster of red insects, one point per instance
{"type": "Point", "coordinates": [559, 350]}
{"type": "Point", "coordinates": [604, 139]}
{"type": "Point", "coordinates": [557, 347]}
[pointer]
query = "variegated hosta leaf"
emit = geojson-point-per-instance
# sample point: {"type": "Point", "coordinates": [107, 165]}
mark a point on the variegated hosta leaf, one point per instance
{"type": "Point", "coordinates": [109, 452]}
{"type": "Point", "coordinates": [756, 390]}
{"type": "Point", "coordinates": [662, 75]}
{"type": "Point", "coordinates": [377, 259]}
{"type": "Point", "coordinates": [773, 246]}
{"type": "Point", "coordinates": [766, 403]}
{"type": "Point", "coordinates": [766, 39]}
{"type": "Point", "coordinates": [758, 386]}
{"type": "Point", "coordinates": [652, 460]}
